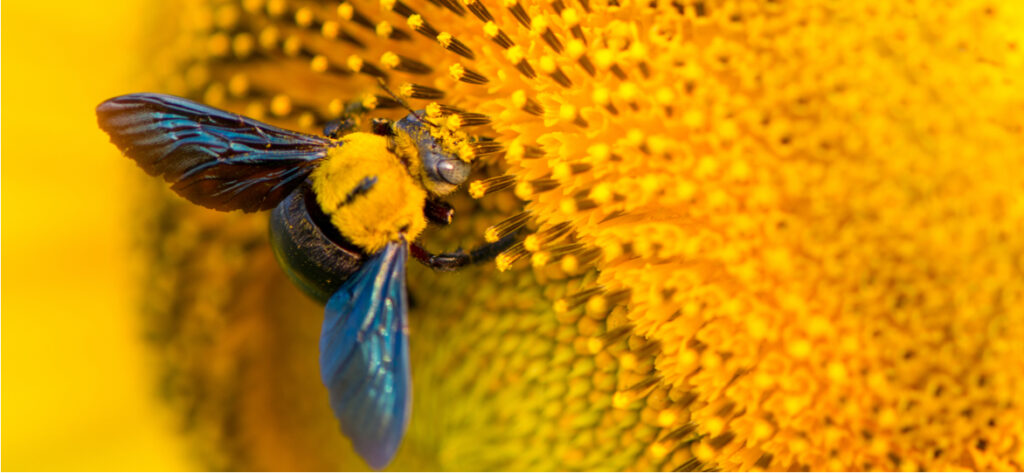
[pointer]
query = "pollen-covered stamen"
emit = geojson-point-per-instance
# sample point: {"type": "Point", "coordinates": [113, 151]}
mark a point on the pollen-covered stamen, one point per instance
{"type": "Point", "coordinates": [321, 64]}
{"type": "Point", "coordinates": [558, 6]}
{"type": "Point", "coordinates": [461, 73]}
{"type": "Point", "coordinates": [480, 188]}
{"type": "Point", "coordinates": [681, 432]}
{"type": "Point", "coordinates": [385, 29]}
{"type": "Point", "coordinates": [526, 104]}
{"type": "Point", "coordinates": [570, 114]}
{"type": "Point", "coordinates": [346, 11]}
{"type": "Point", "coordinates": [398, 6]}
{"type": "Point", "coordinates": [333, 30]}
{"type": "Point", "coordinates": [451, 43]}
{"type": "Point", "coordinates": [578, 51]}
{"type": "Point", "coordinates": [564, 171]}
{"type": "Point", "coordinates": [515, 56]}
{"type": "Point", "coordinates": [417, 91]}
{"type": "Point", "coordinates": [243, 46]}
{"type": "Point", "coordinates": [616, 335]}
{"type": "Point", "coordinates": [470, 119]}
{"type": "Point", "coordinates": [576, 204]}
{"type": "Point", "coordinates": [548, 65]}
{"type": "Point", "coordinates": [541, 25]}
{"type": "Point", "coordinates": [401, 63]}
{"type": "Point", "coordinates": [572, 20]}
{"type": "Point", "coordinates": [421, 26]}
{"type": "Point", "coordinates": [604, 59]}
{"type": "Point", "coordinates": [507, 258]}
{"type": "Point", "coordinates": [506, 227]}
{"type": "Point", "coordinates": [375, 101]}
{"type": "Point", "coordinates": [603, 97]}
{"type": "Point", "coordinates": [519, 12]}
{"type": "Point", "coordinates": [485, 147]}
{"type": "Point", "coordinates": [556, 253]}
{"type": "Point", "coordinates": [357, 64]}
{"type": "Point", "coordinates": [452, 5]}
{"type": "Point", "coordinates": [573, 263]}
{"type": "Point", "coordinates": [270, 38]}
{"type": "Point", "coordinates": [527, 190]}
{"type": "Point", "coordinates": [536, 241]}
{"type": "Point", "coordinates": [479, 10]}
{"type": "Point", "coordinates": [492, 31]}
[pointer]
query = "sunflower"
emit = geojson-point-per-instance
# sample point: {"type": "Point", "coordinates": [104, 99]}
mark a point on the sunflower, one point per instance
{"type": "Point", "coordinates": [774, 235]}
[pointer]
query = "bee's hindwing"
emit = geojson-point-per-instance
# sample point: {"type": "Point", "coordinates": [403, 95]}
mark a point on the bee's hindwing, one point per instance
{"type": "Point", "coordinates": [364, 355]}
{"type": "Point", "coordinates": [214, 158]}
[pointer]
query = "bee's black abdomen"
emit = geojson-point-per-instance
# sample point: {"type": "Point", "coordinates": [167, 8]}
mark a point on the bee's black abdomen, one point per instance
{"type": "Point", "coordinates": [306, 245]}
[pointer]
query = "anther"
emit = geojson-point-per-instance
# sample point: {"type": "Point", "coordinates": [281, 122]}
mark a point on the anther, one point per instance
{"type": "Point", "coordinates": [479, 10]}
{"type": "Point", "coordinates": [526, 104]}
{"type": "Point", "coordinates": [348, 12]}
{"type": "Point", "coordinates": [398, 6]}
{"type": "Point", "coordinates": [507, 258]}
{"type": "Point", "coordinates": [681, 432]}
{"type": "Point", "coordinates": [576, 300]}
{"type": "Point", "coordinates": [304, 17]}
{"type": "Point", "coordinates": [485, 148]}
{"type": "Point", "coordinates": [404, 64]}
{"type": "Point", "coordinates": [281, 105]}
{"type": "Point", "coordinates": [572, 19]}
{"type": "Point", "coordinates": [526, 190]}
{"type": "Point", "coordinates": [269, 37]}
{"type": "Point", "coordinates": [537, 240]}
{"type": "Point", "coordinates": [548, 65]}
{"type": "Point", "coordinates": [243, 45]}
{"type": "Point", "coordinates": [541, 24]}
{"type": "Point", "coordinates": [416, 91]}
{"type": "Point", "coordinates": [519, 12]}
{"type": "Point", "coordinates": [506, 227]}
{"type": "Point", "coordinates": [578, 50]}
{"type": "Point", "coordinates": [478, 189]}
{"type": "Point", "coordinates": [385, 29]}
{"type": "Point", "coordinates": [558, 6]}
{"type": "Point", "coordinates": [357, 64]}
{"type": "Point", "coordinates": [492, 31]}
{"type": "Point", "coordinates": [473, 119]}
{"type": "Point", "coordinates": [452, 5]}
{"type": "Point", "coordinates": [515, 56]}
{"type": "Point", "coordinates": [420, 25]}
{"type": "Point", "coordinates": [375, 101]}
{"type": "Point", "coordinates": [451, 43]}
{"type": "Point", "coordinates": [563, 171]}
{"type": "Point", "coordinates": [321, 64]}
{"type": "Point", "coordinates": [461, 73]}
{"type": "Point", "coordinates": [569, 113]}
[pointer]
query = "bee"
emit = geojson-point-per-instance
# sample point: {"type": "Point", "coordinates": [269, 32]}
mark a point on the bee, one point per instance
{"type": "Point", "coordinates": [347, 210]}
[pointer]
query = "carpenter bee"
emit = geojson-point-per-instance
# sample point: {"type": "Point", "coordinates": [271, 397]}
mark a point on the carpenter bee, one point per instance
{"type": "Point", "coordinates": [347, 210]}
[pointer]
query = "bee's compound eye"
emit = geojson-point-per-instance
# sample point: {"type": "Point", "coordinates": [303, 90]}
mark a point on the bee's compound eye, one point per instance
{"type": "Point", "coordinates": [306, 250]}
{"type": "Point", "coordinates": [453, 171]}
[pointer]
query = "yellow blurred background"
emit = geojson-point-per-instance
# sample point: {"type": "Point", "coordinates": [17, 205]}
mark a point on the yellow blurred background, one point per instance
{"type": "Point", "coordinates": [78, 384]}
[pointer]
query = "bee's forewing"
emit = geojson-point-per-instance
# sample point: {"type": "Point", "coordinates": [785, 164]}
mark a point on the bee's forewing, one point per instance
{"type": "Point", "coordinates": [364, 355]}
{"type": "Point", "coordinates": [214, 158]}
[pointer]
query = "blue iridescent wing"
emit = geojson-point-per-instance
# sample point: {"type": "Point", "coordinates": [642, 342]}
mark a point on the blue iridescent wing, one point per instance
{"type": "Point", "coordinates": [364, 355]}
{"type": "Point", "coordinates": [213, 158]}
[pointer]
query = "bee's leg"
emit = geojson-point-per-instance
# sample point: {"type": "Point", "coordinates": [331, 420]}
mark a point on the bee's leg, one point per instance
{"type": "Point", "coordinates": [458, 259]}
{"type": "Point", "coordinates": [438, 211]}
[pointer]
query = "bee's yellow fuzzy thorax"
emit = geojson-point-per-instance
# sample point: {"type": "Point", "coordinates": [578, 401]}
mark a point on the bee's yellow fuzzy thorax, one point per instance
{"type": "Point", "coordinates": [392, 206]}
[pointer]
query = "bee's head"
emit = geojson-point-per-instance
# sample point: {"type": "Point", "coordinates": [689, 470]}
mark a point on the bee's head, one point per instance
{"type": "Point", "coordinates": [436, 150]}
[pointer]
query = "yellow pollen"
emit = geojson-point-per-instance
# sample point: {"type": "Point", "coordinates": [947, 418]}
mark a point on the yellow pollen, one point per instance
{"type": "Point", "coordinates": [281, 105]}
{"type": "Point", "coordinates": [345, 11]}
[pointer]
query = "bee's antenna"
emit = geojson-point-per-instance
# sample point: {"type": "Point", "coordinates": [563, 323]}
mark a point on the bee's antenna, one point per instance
{"type": "Point", "coordinates": [403, 103]}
